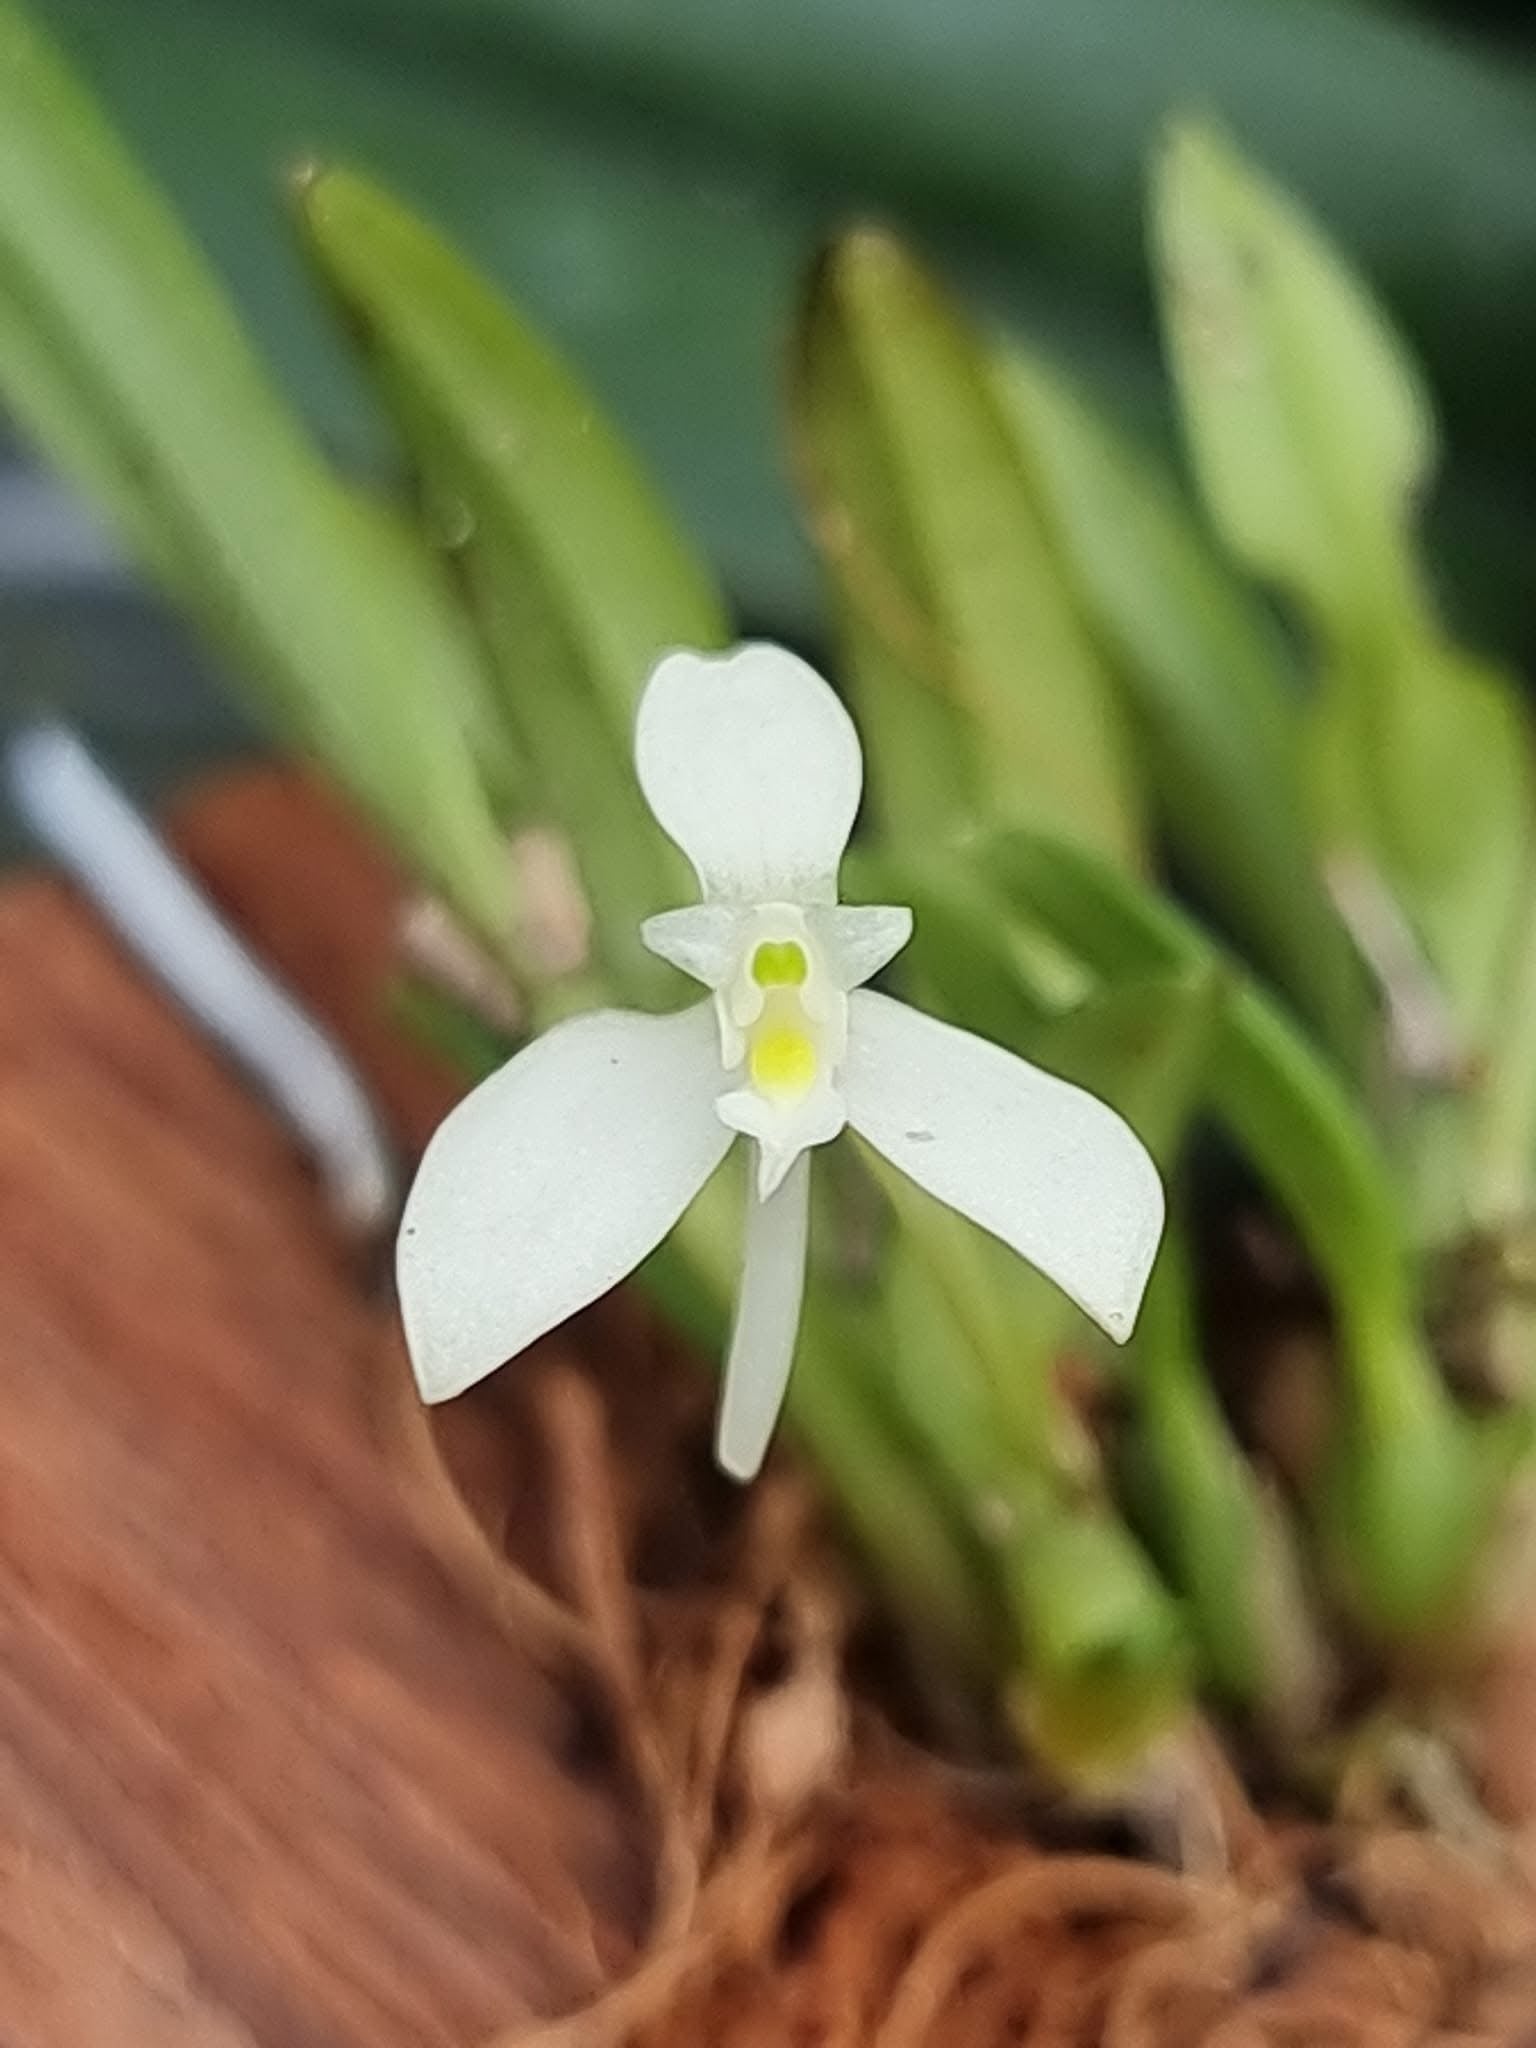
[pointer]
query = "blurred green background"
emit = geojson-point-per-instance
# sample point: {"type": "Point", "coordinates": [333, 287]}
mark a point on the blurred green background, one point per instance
{"type": "Point", "coordinates": [649, 181]}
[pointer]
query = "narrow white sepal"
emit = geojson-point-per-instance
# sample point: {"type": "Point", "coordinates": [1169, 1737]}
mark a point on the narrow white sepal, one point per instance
{"type": "Point", "coordinates": [550, 1182]}
{"type": "Point", "coordinates": [752, 767]}
{"type": "Point", "coordinates": [1044, 1165]}
{"type": "Point", "coordinates": [762, 1347]}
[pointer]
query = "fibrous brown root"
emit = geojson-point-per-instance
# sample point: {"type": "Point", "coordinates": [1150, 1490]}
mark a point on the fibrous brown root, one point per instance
{"type": "Point", "coordinates": [817, 1884]}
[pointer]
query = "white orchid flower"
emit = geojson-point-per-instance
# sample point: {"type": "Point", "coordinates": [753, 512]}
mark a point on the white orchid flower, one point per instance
{"type": "Point", "coordinates": [566, 1168]}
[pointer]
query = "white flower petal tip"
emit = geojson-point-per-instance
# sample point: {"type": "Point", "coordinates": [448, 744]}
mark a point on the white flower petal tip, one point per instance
{"type": "Point", "coordinates": [752, 767]}
{"type": "Point", "coordinates": [551, 1182]}
{"type": "Point", "coordinates": [1042, 1164]}
{"type": "Point", "coordinates": [767, 1323]}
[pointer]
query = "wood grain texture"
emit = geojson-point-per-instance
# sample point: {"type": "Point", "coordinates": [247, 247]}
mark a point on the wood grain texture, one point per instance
{"type": "Point", "coordinates": [272, 1774]}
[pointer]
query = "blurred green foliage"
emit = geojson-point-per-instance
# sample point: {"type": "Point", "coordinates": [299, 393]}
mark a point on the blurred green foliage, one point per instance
{"type": "Point", "coordinates": [645, 181]}
{"type": "Point", "coordinates": [1067, 662]}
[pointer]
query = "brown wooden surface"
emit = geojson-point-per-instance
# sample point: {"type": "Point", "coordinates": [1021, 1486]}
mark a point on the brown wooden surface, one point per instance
{"type": "Point", "coordinates": [270, 1771]}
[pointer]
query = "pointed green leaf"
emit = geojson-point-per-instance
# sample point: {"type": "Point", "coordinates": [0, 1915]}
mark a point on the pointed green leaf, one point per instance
{"type": "Point", "coordinates": [1308, 425]}
{"type": "Point", "coordinates": [1420, 767]}
{"type": "Point", "coordinates": [1412, 1485]}
{"type": "Point", "coordinates": [1217, 712]}
{"type": "Point", "coordinates": [120, 354]}
{"type": "Point", "coordinates": [899, 1511]}
{"type": "Point", "coordinates": [974, 675]}
{"type": "Point", "coordinates": [577, 576]}
{"type": "Point", "coordinates": [1105, 1656]}
{"type": "Point", "coordinates": [1223, 1540]}
{"type": "Point", "coordinates": [1312, 438]}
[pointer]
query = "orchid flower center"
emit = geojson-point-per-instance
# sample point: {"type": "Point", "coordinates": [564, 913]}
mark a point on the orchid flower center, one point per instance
{"type": "Point", "coordinates": [781, 1045]}
{"type": "Point", "coordinates": [784, 1029]}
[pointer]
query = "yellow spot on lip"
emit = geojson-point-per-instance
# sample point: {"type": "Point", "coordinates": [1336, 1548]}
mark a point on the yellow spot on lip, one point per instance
{"type": "Point", "coordinates": [782, 1060]}
{"type": "Point", "coordinates": [779, 963]}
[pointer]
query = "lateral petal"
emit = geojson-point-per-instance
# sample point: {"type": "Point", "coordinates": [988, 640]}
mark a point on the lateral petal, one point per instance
{"type": "Point", "coordinates": [551, 1181]}
{"type": "Point", "coordinates": [1042, 1164]}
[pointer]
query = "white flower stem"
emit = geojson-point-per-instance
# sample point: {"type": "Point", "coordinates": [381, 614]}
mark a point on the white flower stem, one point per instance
{"type": "Point", "coordinates": [767, 1322]}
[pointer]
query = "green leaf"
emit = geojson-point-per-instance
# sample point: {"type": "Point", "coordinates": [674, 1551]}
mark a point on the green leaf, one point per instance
{"type": "Point", "coordinates": [1105, 1662]}
{"type": "Point", "coordinates": [977, 681]}
{"type": "Point", "coordinates": [972, 957]}
{"type": "Point", "coordinates": [899, 1512]}
{"type": "Point", "coordinates": [1420, 761]}
{"type": "Point", "coordinates": [1312, 439]}
{"type": "Point", "coordinates": [976, 1340]}
{"type": "Point", "coordinates": [1027, 124]}
{"type": "Point", "coordinates": [577, 576]}
{"type": "Point", "coordinates": [1499, 1190]}
{"type": "Point", "coordinates": [1308, 425]}
{"type": "Point", "coordinates": [1409, 1515]}
{"type": "Point", "coordinates": [1109, 1655]}
{"type": "Point", "coordinates": [661, 252]}
{"type": "Point", "coordinates": [1280, 1098]}
{"type": "Point", "coordinates": [1144, 1045]}
{"type": "Point", "coordinates": [118, 352]}
{"type": "Point", "coordinates": [1216, 708]}
{"type": "Point", "coordinates": [1411, 1486]}
{"type": "Point", "coordinates": [1221, 1537]}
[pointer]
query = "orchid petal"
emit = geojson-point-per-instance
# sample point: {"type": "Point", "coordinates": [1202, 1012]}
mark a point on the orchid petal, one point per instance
{"type": "Point", "coordinates": [860, 938]}
{"type": "Point", "coordinates": [752, 767]}
{"type": "Point", "coordinates": [550, 1182]}
{"type": "Point", "coordinates": [703, 939]}
{"type": "Point", "coordinates": [767, 1323]}
{"type": "Point", "coordinates": [1045, 1166]}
